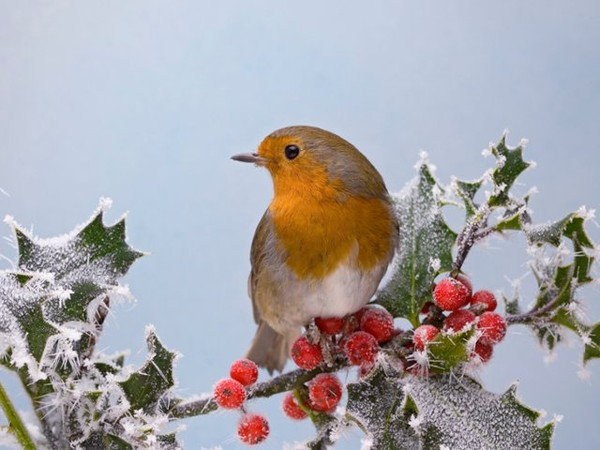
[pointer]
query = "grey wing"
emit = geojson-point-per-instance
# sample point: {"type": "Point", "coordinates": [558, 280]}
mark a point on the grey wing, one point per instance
{"type": "Point", "coordinates": [257, 257]}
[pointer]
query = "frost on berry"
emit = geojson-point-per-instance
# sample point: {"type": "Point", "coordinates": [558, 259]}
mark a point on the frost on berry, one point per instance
{"type": "Point", "coordinates": [482, 351]}
{"type": "Point", "coordinates": [245, 371]}
{"type": "Point", "coordinates": [379, 323]}
{"type": "Point", "coordinates": [450, 294]}
{"type": "Point", "coordinates": [492, 327]}
{"type": "Point", "coordinates": [253, 429]}
{"type": "Point", "coordinates": [306, 355]}
{"type": "Point", "coordinates": [291, 408]}
{"type": "Point", "coordinates": [330, 325]}
{"type": "Point", "coordinates": [359, 314]}
{"type": "Point", "coordinates": [466, 283]}
{"type": "Point", "coordinates": [229, 393]}
{"type": "Point", "coordinates": [423, 335]}
{"type": "Point", "coordinates": [459, 319]}
{"type": "Point", "coordinates": [361, 348]}
{"type": "Point", "coordinates": [486, 298]}
{"type": "Point", "coordinates": [325, 392]}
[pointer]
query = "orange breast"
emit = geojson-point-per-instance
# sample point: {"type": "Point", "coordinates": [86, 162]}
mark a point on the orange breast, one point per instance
{"type": "Point", "coordinates": [317, 234]}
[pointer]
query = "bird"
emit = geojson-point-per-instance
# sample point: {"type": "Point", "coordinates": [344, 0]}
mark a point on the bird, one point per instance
{"type": "Point", "coordinates": [324, 242]}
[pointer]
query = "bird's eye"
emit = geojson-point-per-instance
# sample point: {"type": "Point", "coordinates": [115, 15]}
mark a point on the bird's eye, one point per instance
{"type": "Point", "coordinates": [291, 151]}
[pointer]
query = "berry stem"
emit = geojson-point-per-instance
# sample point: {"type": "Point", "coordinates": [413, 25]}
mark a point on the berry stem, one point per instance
{"type": "Point", "coordinates": [470, 234]}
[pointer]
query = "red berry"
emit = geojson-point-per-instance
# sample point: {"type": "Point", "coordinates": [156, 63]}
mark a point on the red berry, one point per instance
{"type": "Point", "coordinates": [358, 314]}
{"type": "Point", "coordinates": [360, 348]}
{"type": "Point", "coordinates": [466, 282]}
{"type": "Point", "coordinates": [492, 326]}
{"type": "Point", "coordinates": [306, 355]}
{"type": "Point", "coordinates": [330, 325]}
{"type": "Point", "coordinates": [229, 394]}
{"type": "Point", "coordinates": [486, 298]}
{"type": "Point", "coordinates": [325, 392]}
{"type": "Point", "coordinates": [483, 351]}
{"type": "Point", "coordinates": [379, 323]}
{"type": "Point", "coordinates": [253, 429]}
{"type": "Point", "coordinates": [291, 408]}
{"type": "Point", "coordinates": [450, 294]}
{"type": "Point", "coordinates": [457, 320]}
{"type": "Point", "coordinates": [423, 335]}
{"type": "Point", "coordinates": [244, 371]}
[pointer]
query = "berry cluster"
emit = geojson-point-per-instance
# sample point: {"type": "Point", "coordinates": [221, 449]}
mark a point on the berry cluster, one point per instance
{"type": "Point", "coordinates": [357, 339]}
{"type": "Point", "coordinates": [230, 393]}
{"type": "Point", "coordinates": [454, 310]}
{"type": "Point", "coordinates": [356, 336]}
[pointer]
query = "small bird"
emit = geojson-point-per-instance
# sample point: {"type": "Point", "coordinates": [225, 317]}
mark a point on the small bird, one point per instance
{"type": "Point", "coordinates": [325, 241]}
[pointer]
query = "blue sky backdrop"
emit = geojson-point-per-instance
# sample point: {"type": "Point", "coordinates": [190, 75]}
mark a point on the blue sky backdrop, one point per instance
{"type": "Point", "coordinates": [144, 102]}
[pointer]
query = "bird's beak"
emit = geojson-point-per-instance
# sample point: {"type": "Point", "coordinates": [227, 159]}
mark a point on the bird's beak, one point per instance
{"type": "Point", "coordinates": [250, 158]}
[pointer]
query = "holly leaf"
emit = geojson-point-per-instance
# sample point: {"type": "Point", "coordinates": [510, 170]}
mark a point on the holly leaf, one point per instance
{"type": "Point", "coordinates": [425, 247]}
{"type": "Point", "coordinates": [592, 346]}
{"type": "Point", "coordinates": [377, 404]}
{"type": "Point", "coordinates": [447, 351]}
{"type": "Point", "coordinates": [467, 190]}
{"type": "Point", "coordinates": [509, 165]}
{"type": "Point", "coordinates": [145, 387]}
{"type": "Point", "coordinates": [457, 413]}
{"type": "Point", "coordinates": [95, 249]}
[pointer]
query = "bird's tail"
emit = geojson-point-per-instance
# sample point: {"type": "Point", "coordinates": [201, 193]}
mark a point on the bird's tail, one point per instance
{"type": "Point", "coordinates": [271, 349]}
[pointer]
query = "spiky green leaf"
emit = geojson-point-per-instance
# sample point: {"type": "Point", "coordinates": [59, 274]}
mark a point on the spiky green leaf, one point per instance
{"type": "Point", "coordinates": [375, 403]}
{"type": "Point", "coordinates": [592, 346]}
{"type": "Point", "coordinates": [145, 387]}
{"type": "Point", "coordinates": [458, 413]}
{"type": "Point", "coordinates": [424, 238]}
{"type": "Point", "coordinates": [510, 165]}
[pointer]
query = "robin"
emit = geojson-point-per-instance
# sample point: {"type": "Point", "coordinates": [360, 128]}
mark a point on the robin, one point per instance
{"type": "Point", "coordinates": [325, 241]}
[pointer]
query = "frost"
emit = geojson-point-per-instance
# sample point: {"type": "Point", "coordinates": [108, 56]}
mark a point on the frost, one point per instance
{"type": "Point", "coordinates": [460, 412]}
{"type": "Point", "coordinates": [584, 373]}
{"type": "Point", "coordinates": [435, 264]}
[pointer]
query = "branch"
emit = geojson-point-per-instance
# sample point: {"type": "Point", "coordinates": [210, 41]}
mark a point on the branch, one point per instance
{"type": "Point", "coordinates": [534, 314]}
{"type": "Point", "coordinates": [470, 235]}
{"type": "Point", "coordinates": [282, 383]}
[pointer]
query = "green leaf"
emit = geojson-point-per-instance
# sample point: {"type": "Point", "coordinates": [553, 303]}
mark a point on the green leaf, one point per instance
{"type": "Point", "coordinates": [375, 403]}
{"type": "Point", "coordinates": [447, 351]}
{"type": "Point", "coordinates": [424, 237]}
{"type": "Point", "coordinates": [458, 413]}
{"type": "Point", "coordinates": [145, 387]}
{"type": "Point", "coordinates": [95, 246]}
{"type": "Point", "coordinates": [510, 165]}
{"type": "Point", "coordinates": [467, 190]}
{"type": "Point", "coordinates": [592, 347]}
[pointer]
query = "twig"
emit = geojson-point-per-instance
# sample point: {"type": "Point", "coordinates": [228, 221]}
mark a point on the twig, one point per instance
{"type": "Point", "coordinates": [282, 383]}
{"type": "Point", "coordinates": [534, 313]}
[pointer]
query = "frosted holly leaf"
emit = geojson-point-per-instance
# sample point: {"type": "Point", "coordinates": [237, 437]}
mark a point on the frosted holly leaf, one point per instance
{"type": "Point", "coordinates": [424, 237]}
{"type": "Point", "coordinates": [145, 387]}
{"type": "Point", "coordinates": [592, 346]}
{"type": "Point", "coordinates": [467, 190]}
{"type": "Point", "coordinates": [377, 404]}
{"type": "Point", "coordinates": [447, 351]}
{"type": "Point", "coordinates": [575, 231]}
{"type": "Point", "coordinates": [509, 165]}
{"type": "Point", "coordinates": [93, 248]}
{"type": "Point", "coordinates": [457, 413]}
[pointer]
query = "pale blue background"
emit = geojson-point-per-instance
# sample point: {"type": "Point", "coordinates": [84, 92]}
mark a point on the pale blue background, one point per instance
{"type": "Point", "coordinates": [144, 102]}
